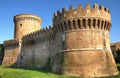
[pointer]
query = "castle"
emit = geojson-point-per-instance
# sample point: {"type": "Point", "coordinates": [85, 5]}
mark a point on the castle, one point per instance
{"type": "Point", "coordinates": [77, 43]}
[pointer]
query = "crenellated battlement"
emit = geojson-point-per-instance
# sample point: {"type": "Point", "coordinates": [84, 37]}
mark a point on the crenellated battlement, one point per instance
{"type": "Point", "coordinates": [82, 12]}
{"type": "Point", "coordinates": [38, 34]}
{"type": "Point", "coordinates": [97, 17]}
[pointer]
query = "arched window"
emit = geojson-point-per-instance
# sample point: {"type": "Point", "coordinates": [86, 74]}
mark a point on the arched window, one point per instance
{"type": "Point", "coordinates": [65, 26]}
{"type": "Point", "coordinates": [74, 26]}
{"type": "Point", "coordinates": [108, 25]}
{"type": "Point", "coordinates": [102, 24]}
{"type": "Point", "coordinates": [89, 23]}
{"type": "Point", "coordinates": [84, 23]}
{"type": "Point", "coordinates": [105, 25]}
{"type": "Point", "coordinates": [61, 27]}
{"type": "Point", "coordinates": [94, 22]}
{"type": "Point", "coordinates": [78, 23]}
{"type": "Point", "coordinates": [98, 23]}
{"type": "Point", "coordinates": [69, 24]}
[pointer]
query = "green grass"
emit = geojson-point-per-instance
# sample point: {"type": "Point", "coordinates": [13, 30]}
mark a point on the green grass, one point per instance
{"type": "Point", "coordinates": [21, 72]}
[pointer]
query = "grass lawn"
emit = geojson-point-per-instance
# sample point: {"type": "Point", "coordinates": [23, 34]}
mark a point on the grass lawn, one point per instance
{"type": "Point", "coordinates": [17, 72]}
{"type": "Point", "coordinates": [21, 72]}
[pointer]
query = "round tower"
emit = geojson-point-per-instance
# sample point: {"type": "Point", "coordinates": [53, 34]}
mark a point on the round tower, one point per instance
{"type": "Point", "coordinates": [86, 49]}
{"type": "Point", "coordinates": [25, 24]}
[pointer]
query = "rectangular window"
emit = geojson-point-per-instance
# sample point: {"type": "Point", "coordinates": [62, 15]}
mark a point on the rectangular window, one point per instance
{"type": "Point", "coordinates": [63, 41]}
{"type": "Point", "coordinates": [63, 36]}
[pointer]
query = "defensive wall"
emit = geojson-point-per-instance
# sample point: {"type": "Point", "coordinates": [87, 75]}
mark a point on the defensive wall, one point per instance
{"type": "Point", "coordinates": [77, 43]}
{"type": "Point", "coordinates": [11, 49]}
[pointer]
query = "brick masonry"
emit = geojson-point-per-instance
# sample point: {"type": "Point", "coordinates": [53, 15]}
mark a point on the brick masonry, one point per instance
{"type": "Point", "coordinates": [77, 44]}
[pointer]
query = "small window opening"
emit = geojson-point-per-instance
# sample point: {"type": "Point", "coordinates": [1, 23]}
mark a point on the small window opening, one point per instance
{"type": "Point", "coordinates": [21, 57]}
{"type": "Point", "coordinates": [63, 37]}
{"type": "Point", "coordinates": [20, 25]}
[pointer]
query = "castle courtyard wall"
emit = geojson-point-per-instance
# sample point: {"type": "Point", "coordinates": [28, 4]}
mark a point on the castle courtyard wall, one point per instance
{"type": "Point", "coordinates": [34, 53]}
{"type": "Point", "coordinates": [41, 52]}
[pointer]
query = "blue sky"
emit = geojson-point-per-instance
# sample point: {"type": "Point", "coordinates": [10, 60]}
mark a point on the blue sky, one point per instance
{"type": "Point", "coordinates": [46, 8]}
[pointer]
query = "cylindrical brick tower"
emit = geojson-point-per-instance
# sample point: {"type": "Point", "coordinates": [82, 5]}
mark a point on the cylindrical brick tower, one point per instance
{"type": "Point", "coordinates": [25, 24]}
{"type": "Point", "coordinates": [86, 49]}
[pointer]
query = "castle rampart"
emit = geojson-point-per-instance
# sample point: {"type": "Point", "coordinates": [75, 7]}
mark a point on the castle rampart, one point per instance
{"type": "Point", "coordinates": [77, 43]}
{"type": "Point", "coordinates": [45, 32]}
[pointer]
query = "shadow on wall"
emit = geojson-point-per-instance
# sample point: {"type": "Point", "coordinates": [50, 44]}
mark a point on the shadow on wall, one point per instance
{"type": "Point", "coordinates": [1, 53]}
{"type": "Point", "coordinates": [115, 47]}
{"type": "Point", "coordinates": [31, 57]}
{"type": "Point", "coordinates": [1, 59]}
{"type": "Point", "coordinates": [116, 54]}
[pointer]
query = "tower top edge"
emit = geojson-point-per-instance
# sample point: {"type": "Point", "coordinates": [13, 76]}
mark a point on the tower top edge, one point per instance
{"type": "Point", "coordinates": [89, 11]}
{"type": "Point", "coordinates": [27, 16]}
{"type": "Point", "coordinates": [87, 7]}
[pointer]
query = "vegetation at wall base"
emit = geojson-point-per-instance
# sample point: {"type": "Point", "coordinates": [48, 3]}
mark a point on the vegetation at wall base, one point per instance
{"type": "Point", "coordinates": [1, 52]}
{"type": "Point", "coordinates": [22, 72]}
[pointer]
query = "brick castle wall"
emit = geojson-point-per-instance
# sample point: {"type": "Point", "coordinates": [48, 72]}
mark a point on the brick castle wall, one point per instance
{"type": "Point", "coordinates": [76, 45]}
